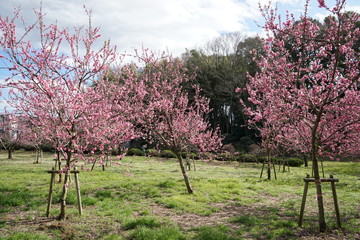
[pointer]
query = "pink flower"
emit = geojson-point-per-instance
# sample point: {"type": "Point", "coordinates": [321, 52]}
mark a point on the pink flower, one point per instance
{"type": "Point", "coordinates": [321, 3]}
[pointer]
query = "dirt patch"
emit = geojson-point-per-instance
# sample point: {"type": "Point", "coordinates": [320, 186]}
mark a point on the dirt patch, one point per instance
{"type": "Point", "coordinates": [187, 221]}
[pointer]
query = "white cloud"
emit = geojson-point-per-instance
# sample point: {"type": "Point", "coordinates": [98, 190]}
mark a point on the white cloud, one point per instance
{"type": "Point", "coordinates": [156, 24]}
{"type": "Point", "coordinates": [159, 24]}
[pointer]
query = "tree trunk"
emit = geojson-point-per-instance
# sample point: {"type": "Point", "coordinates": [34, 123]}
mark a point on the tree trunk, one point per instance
{"type": "Point", "coordinates": [306, 164]}
{"type": "Point", "coordinates": [183, 170]}
{"type": "Point", "coordinates": [319, 195]}
{"type": "Point", "coordinates": [62, 215]}
{"type": "Point", "coordinates": [269, 165]}
{"type": "Point", "coordinates": [9, 154]}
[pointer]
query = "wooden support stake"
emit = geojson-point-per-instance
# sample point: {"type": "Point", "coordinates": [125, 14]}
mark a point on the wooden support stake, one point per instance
{"type": "Point", "coordinates": [78, 192]}
{"type": "Point", "coordinates": [335, 202]}
{"type": "Point", "coordinates": [332, 180]}
{"type": "Point", "coordinates": [52, 180]}
{"type": "Point", "coordinates": [303, 201]}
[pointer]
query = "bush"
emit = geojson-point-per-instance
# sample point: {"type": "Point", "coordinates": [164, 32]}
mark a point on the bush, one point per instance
{"type": "Point", "coordinates": [295, 162]}
{"type": "Point", "coordinates": [228, 148]}
{"type": "Point", "coordinates": [246, 158]}
{"type": "Point", "coordinates": [47, 147]}
{"type": "Point", "coordinates": [191, 155]}
{"type": "Point", "coordinates": [152, 152]}
{"type": "Point", "coordinates": [134, 152]}
{"type": "Point", "coordinates": [28, 148]}
{"type": "Point", "coordinates": [246, 141]}
{"type": "Point", "coordinates": [263, 159]}
{"type": "Point", "coordinates": [167, 154]}
{"type": "Point", "coordinates": [225, 157]}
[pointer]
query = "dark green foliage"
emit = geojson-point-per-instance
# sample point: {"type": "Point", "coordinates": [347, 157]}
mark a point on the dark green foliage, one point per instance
{"type": "Point", "coordinates": [295, 162]}
{"type": "Point", "coordinates": [191, 155]}
{"type": "Point", "coordinates": [263, 159]}
{"type": "Point", "coordinates": [148, 222]}
{"type": "Point", "coordinates": [167, 154]}
{"type": "Point", "coordinates": [28, 148]}
{"type": "Point", "coordinates": [225, 157]}
{"type": "Point", "coordinates": [246, 158]}
{"type": "Point", "coordinates": [47, 147]}
{"type": "Point", "coordinates": [246, 141]}
{"type": "Point", "coordinates": [134, 152]}
{"type": "Point", "coordinates": [152, 152]}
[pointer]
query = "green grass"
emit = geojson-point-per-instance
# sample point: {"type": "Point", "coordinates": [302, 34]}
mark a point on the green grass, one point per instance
{"type": "Point", "coordinates": [145, 198]}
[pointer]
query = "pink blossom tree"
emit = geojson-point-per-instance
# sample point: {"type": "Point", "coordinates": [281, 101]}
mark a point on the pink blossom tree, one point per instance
{"type": "Point", "coordinates": [11, 135]}
{"type": "Point", "coordinates": [312, 83]}
{"type": "Point", "coordinates": [51, 81]}
{"type": "Point", "coordinates": [169, 116]}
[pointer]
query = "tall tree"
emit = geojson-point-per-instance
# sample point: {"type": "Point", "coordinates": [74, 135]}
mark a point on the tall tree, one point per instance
{"type": "Point", "coordinates": [316, 92]}
{"type": "Point", "coordinates": [221, 67]}
{"type": "Point", "coordinates": [168, 115]}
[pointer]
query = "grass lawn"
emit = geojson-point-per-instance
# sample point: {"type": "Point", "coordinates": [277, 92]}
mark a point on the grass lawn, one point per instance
{"type": "Point", "coordinates": [145, 198]}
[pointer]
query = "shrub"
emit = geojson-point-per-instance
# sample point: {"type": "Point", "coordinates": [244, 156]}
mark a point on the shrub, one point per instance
{"type": "Point", "coordinates": [228, 148]}
{"type": "Point", "coordinates": [47, 147]}
{"type": "Point", "coordinates": [28, 148]}
{"type": "Point", "coordinates": [134, 152]}
{"type": "Point", "coordinates": [191, 155]}
{"type": "Point", "coordinates": [263, 159]}
{"type": "Point", "coordinates": [152, 152]}
{"type": "Point", "coordinates": [225, 157]}
{"type": "Point", "coordinates": [246, 158]}
{"type": "Point", "coordinates": [115, 152]}
{"type": "Point", "coordinates": [295, 162]}
{"type": "Point", "coordinates": [167, 154]}
{"type": "Point", "coordinates": [246, 141]}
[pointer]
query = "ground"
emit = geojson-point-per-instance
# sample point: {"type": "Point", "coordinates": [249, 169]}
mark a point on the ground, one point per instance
{"type": "Point", "coordinates": [145, 198]}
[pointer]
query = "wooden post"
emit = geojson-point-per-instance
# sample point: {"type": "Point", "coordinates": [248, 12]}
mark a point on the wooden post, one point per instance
{"type": "Point", "coordinates": [78, 192]}
{"type": "Point", "coordinates": [287, 162]}
{"type": "Point", "coordinates": [53, 173]}
{"type": "Point", "coordinates": [332, 180]}
{"type": "Point", "coordinates": [59, 168]}
{"type": "Point", "coordinates": [335, 202]}
{"type": "Point", "coordinates": [303, 201]}
{"type": "Point", "coordinates": [52, 179]}
{"type": "Point", "coordinates": [322, 168]}
{"type": "Point", "coordinates": [194, 164]}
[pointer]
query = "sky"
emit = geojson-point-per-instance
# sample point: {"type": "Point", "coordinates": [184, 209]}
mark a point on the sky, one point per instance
{"type": "Point", "coordinates": [173, 25]}
{"type": "Point", "coordinates": [162, 25]}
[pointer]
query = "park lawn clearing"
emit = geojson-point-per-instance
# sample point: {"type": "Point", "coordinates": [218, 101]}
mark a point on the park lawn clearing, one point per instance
{"type": "Point", "coordinates": [145, 198]}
